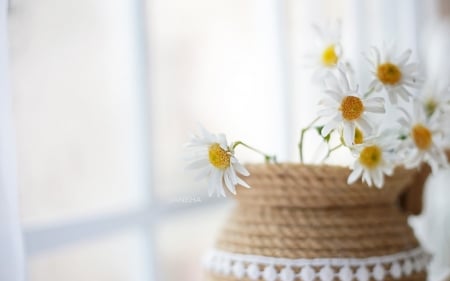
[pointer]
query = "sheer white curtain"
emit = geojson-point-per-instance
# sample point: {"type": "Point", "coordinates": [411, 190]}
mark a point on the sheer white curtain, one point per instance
{"type": "Point", "coordinates": [11, 247]}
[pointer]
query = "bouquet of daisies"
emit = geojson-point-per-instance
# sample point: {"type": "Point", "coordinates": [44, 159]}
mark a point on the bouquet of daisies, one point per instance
{"type": "Point", "coordinates": [353, 115]}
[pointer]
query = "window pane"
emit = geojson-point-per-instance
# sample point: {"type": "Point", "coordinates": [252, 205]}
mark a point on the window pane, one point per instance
{"type": "Point", "coordinates": [184, 239]}
{"type": "Point", "coordinates": [216, 63]}
{"type": "Point", "coordinates": [117, 258]}
{"type": "Point", "coordinates": [75, 98]}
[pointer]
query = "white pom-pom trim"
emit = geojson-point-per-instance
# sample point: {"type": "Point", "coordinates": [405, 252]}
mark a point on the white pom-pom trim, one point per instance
{"type": "Point", "coordinates": [324, 269]}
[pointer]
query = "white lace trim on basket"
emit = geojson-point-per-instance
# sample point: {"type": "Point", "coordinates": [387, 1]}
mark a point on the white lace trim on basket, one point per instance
{"type": "Point", "coordinates": [324, 269]}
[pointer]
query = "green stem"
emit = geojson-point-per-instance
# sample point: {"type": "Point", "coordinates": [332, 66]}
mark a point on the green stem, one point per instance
{"type": "Point", "coordinates": [302, 136]}
{"type": "Point", "coordinates": [369, 92]}
{"type": "Point", "coordinates": [267, 157]}
{"type": "Point", "coordinates": [331, 151]}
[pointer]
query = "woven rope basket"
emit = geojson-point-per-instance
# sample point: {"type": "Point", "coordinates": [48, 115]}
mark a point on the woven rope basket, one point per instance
{"type": "Point", "coordinates": [298, 211]}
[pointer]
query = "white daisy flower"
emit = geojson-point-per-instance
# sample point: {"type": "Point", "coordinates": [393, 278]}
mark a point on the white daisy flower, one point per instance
{"type": "Point", "coordinates": [347, 108]}
{"type": "Point", "coordinates": [327, 52]}
{"type": "Point", "coordinates": [424, 139]}
{"type": "Point", "coordinates": [374, 159]}
{"type": "Point", "coordinates": [216, 160]}
{"type": "Point", "coordinates": [393, 73]}
{"type": "Point", "coordinates": [435, 97]}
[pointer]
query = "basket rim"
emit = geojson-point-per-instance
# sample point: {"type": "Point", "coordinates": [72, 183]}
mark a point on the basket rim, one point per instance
{"type": "Point", "coordinates": [344, 170]}
{"type": "Point", "coordinates": [309, 185]}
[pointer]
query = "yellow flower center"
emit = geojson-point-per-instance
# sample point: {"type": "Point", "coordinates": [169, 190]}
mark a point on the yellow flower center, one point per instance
{"type": "Point", "coordinates": [351, 107]}
{"type": "Point", "coordinates": [430, 106]}
{"type": "Point", "coordinates": [329, 56]}
{"type": "Point", "coordinates": [219, 157]}
{"type": "Point", "coordinates": [370, 156]}
{"type": "Point", "coordinates": [389, 73]}
{"type": "Point", "coordinates": [421, 136]}
{"type": "Point", "coordinates": [359, 136]}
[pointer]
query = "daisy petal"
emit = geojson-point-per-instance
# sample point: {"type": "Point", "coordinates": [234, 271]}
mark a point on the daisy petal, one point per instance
{"type": "Point", "coordinates": [241, 169]}
{"type": "Point", "coordinates": [392, 97]}
{"type": "Point", "coordinates": [326, 112]}
{"type": "Point", "coordinates": [375, 108]}
{"type": "Point", "coordinates": [356, 173]}
{"type": "Point", "coordinates": [337, 96]}
{"type": "Point", "coordinates": [214, 182]}
{"type": "Point", "coordinates": [330, 126]}
{"type": "Point", "coordinates": [243, 183]}
{"type": "Point", "coordinates": [203, 173]}
{"type": "Point", "coordinates": [366, 178]}
{"type": "Point", "coordinates": [378, 178]}
{"type": "Point", "coordinates": [229, 183]}
{"type": "Point", "coordinates": [233, 176]}
{"type": "Point", "coordinates": [364, 124]}
{"type": "Point", "coordinates": [404, 57]}
{"type": "Point", "coordinates": [374, 101]}
{"type": "Point", "coordinates": [349, 133]}
{"type": "Point", "coordinates": [198, 164]}
{"type": "Point", "coordinates": [410, 68]}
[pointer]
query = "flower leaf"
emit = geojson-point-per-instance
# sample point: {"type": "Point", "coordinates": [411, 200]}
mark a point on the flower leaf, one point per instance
{"type": "Point", "coordinates": [327, 137]}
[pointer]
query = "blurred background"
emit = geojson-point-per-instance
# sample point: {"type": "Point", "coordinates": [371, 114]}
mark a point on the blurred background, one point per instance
{"type": "Point", "coordinates": [105, 93]}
